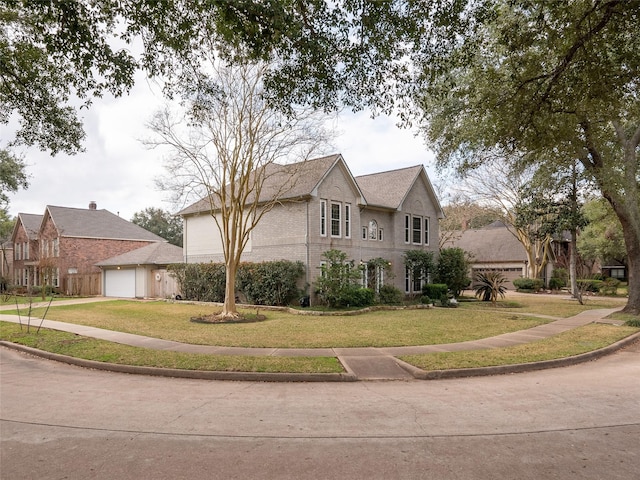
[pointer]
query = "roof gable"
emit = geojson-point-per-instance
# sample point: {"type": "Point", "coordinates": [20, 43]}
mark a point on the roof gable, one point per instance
{"type": "Point", "coordinates": [31, 224]}
{"type": "Point", "coordinates": [88, 223]}
{"type": "Point", "coordinates": [390, 189]}
{"type": "Point", "coordinates": [295, 180]}
{"type": "Point", "coordinates": [153, 254]}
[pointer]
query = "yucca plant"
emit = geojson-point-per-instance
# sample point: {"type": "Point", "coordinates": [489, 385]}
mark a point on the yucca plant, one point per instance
{"type": "Point", "coordinates": [490, 285]}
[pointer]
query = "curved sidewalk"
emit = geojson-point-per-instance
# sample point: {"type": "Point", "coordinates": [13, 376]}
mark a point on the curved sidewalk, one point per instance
{"type": "Point", "coordinates": [364, 363]}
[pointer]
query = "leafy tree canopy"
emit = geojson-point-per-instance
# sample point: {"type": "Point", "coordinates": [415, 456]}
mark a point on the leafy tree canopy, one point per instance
{"type": "Point", "coordinates": [160, 222]}
{"type": "Point", "coordinates": [12, 175]}
{"type": "Point", "coordinates": [601, 239]}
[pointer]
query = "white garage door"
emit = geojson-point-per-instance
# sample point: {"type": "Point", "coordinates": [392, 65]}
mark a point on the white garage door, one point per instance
{"type": "Point", "coordinates": [120, 283]}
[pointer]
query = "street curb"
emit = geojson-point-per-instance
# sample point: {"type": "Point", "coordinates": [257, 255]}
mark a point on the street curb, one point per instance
{"type": "Point", "coordinates": [180, 373]}
{"type": "Point", "coordinates": [420, 374]}
{"type": "Point", "coordinates": [349, 376]}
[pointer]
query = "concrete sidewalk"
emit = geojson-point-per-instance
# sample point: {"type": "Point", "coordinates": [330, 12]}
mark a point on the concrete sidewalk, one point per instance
{"type": "Point", "coordinates": [367, 363]}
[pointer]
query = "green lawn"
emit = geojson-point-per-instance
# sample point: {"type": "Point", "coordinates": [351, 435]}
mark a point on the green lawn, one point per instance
{"type": "Point", "coordinates": [102, 351]}
{"type": "Point", "coordinates": [574, 342]}
{"type": "Point", "coordinates": [171, 321]}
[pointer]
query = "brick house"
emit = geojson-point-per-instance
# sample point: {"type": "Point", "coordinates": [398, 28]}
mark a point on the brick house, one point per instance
{"type": "Point", "coordinates": [68, 243]}
{"type": "Point", "coordinates": [25, 249]}
{"type": "Point", "coordinates": [378, 216]}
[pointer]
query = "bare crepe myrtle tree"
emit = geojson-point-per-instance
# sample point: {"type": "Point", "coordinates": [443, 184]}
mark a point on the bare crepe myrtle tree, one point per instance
{"type": "Point", "coordinates": [230, 149]}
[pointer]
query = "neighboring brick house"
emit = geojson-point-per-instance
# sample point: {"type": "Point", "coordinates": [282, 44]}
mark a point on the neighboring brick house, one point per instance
{"type": "Point", "coordinates": [25, 249]}
{"type": "Point", "coordinates": [373, 216]}
{"type": "Point", "coordinates": [70, 242]}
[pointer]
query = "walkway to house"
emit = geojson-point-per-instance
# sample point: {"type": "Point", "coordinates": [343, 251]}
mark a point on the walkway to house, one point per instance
{"type": "Point", "coordinates": [365, 363]}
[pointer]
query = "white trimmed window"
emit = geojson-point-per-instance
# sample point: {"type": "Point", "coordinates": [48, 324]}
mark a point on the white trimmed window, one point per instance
{"type": "Point", "coordinates": [335, 219]}
{"type": "Point", "coordinates": [426, 230]}
{"type": "Point", "coordinates": [323, 218]}
{"type": "Point", "coordinates": [347, 220]}
{"type": "Point", "coordinates": [416, 236]}
{"type": "Point", "coordinates": [407, 231]}
{"type": "Point", "coordinates": [373, 230]}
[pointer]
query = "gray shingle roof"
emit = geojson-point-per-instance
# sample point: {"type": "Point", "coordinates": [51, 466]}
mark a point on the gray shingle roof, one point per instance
{"type": "Point", "coordinates": [388, 189]}
{"type": "Point", "coordinates": [87, 223]}
{"type": "Point", "coordinates": [293, 180]}
{"type": "Point", "coordinates": [31, 224]}
{"type": "Point", "coordinates": [490, 244]}
{"type": "Point", "coordinates": [153, 254]}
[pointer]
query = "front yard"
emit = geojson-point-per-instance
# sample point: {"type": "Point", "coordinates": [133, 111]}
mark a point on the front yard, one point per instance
{"type": "Point", "coordinates": [171, 321]}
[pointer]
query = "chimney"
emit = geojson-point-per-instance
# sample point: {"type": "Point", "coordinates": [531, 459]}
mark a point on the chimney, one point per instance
{"type": "Point", "coordinates": [93, 205]}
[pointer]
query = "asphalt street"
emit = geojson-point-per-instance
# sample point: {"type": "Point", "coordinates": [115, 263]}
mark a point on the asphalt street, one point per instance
{"type": "Point", "coordinates": [64, 422]}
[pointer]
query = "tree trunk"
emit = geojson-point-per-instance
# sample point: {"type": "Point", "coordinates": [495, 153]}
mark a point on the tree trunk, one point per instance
{"type": "Point", "coordinates": [633, 259]}
{"type": "Point", "coordinates": [573, 270]}
{"type": "Point", "coordinates": [229, 309]}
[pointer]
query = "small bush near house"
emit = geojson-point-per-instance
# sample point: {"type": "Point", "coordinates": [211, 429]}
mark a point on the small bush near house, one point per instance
{"type": "Point", "coordinates": [390, 295]}
{"type": "Point", "coordinates": [610, 286]}
{"type": "Point", "coordinates": [490, 286]}
{"type": "Point", "coordinates": [452, 269]}
{"type": "Point", "coordinates": [559, 279]}
{"type": "Point", "coordinates": [528, 284]}
{"type": "Point", "coordinates": [589, 285]}
{"type": "Point", "coordinates": [270, 283]}
{"type": "Point", "coordinates": [337, 286]}
{"type": "Point", "coordinates": [425, 300]}
{"type": "Point", "coordinates": [355, 296]}
{"type": "Point", "coordinates": [202, 282]}
{"type": "Point", "coordinates": [435, 290]}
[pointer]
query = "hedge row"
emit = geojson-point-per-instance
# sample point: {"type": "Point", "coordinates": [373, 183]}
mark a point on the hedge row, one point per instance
{"type": "Point", "coordinates": [268, 283]}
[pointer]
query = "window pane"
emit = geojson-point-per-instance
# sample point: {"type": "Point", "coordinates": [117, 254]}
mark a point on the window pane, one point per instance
{"type": "Point", "coordinates": [335, 219]}
{"type": "Point", "coordinates": [406, 229]}
{"type": "Point", "coordinates": [417, 230]}
{"type": "Point", "coordinates": [426, 231]}
{"type": "Point", "coordinates": [347, 221]}
{"type": "Point", "coordinates": [323, 217]}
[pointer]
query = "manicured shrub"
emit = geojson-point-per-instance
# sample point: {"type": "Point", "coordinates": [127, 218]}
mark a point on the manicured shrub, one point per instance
{"type": "Point", "coordinates": [270, 283]}
{"type": "Point", "coordinates": [452, 269]}
{"type": "Point", "coordinates": [528, 284]}
{"type": "Point", "coordinates": [435, 290]}
{"type": "Point", "coordinates": [425, 300]}
{"type": "Point", "coordinates": [559, 279]}
{"type": "Point", "coordinates": [610, 286]}
{"type": "Point", "coordinates": [390, 295]}
{"type": "Point", "coordinates": [339, 280]}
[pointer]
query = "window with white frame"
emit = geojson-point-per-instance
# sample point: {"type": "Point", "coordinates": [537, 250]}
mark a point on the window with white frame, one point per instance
{"type": "Point", "coordinates": [56, 247]}
{"type": "Point", "coordinates": [407, 232]}
{"type": "Point", "coordinates": [323, 218]}
{"type": "Point", "coordinates": [347, 220]}
{"type": "Point", "coordinates": [26, 251]}
{"type": "Point", "coordinates": [335, 219]}
{"type": "Point", "coordinates": [426, 230]}
{"type": "Point", "coordinates": [373, 230]}
{"type": "Point", "coordinates": [416, 236]}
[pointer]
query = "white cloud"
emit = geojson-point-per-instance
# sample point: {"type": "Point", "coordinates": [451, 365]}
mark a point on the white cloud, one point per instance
{"type": "Point", "coordinates": [118, 172]}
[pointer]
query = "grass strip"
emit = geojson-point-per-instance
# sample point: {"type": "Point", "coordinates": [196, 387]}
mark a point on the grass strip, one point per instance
{"type": "Point", "coordinates": [171, 321]}
{"type": "Point", "coordinates": [102, 351]}
{"type": "Point", "coordinates": [573, 342]}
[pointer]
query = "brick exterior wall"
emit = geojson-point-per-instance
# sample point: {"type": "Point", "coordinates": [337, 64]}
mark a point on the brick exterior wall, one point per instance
{"type": "Point", "coordinates": [292, 231]}
{"type": "Point", "coordinates": [23, 265]}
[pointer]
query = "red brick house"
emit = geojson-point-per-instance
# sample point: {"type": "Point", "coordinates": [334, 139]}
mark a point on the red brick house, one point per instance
{"type": "Point", "coordinates": [68, 244]}
{"type": "Point", "coordinates": [25, 249]}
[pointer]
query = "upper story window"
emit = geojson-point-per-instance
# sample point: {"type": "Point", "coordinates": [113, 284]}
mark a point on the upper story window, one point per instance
{"type": "Point", "coordinates": [373, 230]}
{"type": "Point", "coordinates": [416, 229]}
{"type": "Point", "coordinates": [56, 247]}
{"type": "Point", "coordinates": [323, 218]}
{"type": "Point", "coordinates": [426, 230]}
{"type": "Point", "coordinates": [416, 236]}
{"type": "Point", "coordinates": [335, 219]}
{"type": "Point", "coordinates": [347, 220]}
{"type": "Point", "coordinates": [407, 231]}
{"type": "Point", "coordinates": [25, 252]}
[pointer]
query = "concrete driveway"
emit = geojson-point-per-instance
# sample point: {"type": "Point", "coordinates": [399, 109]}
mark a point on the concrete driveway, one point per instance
{"type": "Point", "coordinates": [61, 421]}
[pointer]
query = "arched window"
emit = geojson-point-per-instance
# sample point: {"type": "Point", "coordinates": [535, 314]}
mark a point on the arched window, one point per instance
{"type": "Point", "coordinates": [373, 230]}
